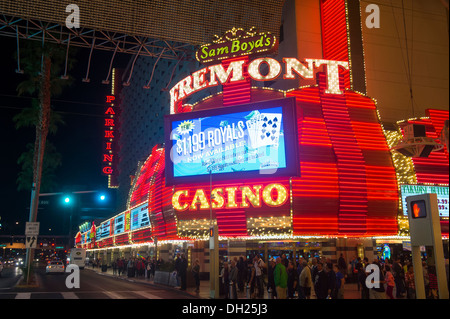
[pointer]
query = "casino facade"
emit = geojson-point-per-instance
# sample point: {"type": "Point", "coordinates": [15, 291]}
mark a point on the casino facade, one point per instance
{"type": "Point", "coordinates": [327, 183]}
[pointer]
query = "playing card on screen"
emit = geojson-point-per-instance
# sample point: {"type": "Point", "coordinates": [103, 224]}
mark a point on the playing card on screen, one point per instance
{"type": "Point", "coordinates": [268, 129]}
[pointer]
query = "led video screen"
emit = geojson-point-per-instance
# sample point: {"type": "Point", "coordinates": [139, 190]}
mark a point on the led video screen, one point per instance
{"type": "Point", "coordinates": [252, 140]}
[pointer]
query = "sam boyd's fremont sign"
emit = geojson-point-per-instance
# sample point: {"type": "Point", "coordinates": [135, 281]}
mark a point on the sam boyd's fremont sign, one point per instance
{"type": "Point", "coordinates": [236, 42]}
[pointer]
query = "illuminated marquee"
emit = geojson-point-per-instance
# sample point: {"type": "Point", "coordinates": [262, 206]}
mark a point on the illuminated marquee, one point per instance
{"type": "Point", "coordinates": [272, 195]}
{"type": "Point", "coordinates": [236, 42]}
{"type": "Point", "coordinates": [217, 74]}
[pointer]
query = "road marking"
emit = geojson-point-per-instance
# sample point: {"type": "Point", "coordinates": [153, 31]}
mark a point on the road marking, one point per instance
{"type": "Point", "coordinates": [69, 295]}
{"type": "Point", "coordinates": [112, 295]}
{"type": "Point", "coordinates": [23, 295]}
{"type": "Point", "coordinates": [147, 295]}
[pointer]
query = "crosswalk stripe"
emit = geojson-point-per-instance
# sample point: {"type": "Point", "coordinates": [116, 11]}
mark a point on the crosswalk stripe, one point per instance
{"type": "Point", "coordinates": [69, 295]}
{"type": "Point", "coordinates": [23, 295]}
{"type": "Point", "coordinates": [113, 295]}
{"type": "Point", "coordinates": [147, 295]}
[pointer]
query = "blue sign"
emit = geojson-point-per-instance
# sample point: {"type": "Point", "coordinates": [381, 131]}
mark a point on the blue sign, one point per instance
{"type": "Point", "coordinates": [104, 230]}
{"type": "Point", "coordinates": [139, 217]}
{"type": "Point", "coordinates": [234, 140]}
{"type": "Point", "coordinates": [119, 224]}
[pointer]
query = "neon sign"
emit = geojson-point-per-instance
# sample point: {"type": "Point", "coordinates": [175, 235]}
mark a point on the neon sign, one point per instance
{"type": "Point", "coordinates": [109, 130]}
{"type": "Point", "coordinates": [272, 195]}
{"type": "Point", "coordinates": [236, 42]}
{"type": "Point", "coordinates": [216, 74]}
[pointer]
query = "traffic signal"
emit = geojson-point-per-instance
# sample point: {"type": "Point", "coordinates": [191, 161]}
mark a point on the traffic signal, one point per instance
{"type": "Point", "coordinates": [419, 209]}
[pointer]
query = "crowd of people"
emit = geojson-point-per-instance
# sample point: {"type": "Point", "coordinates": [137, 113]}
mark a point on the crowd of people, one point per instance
{"type": "Point", "coordinates": [396, 275]}
{"type": "Point", "coordinates": [321, 279]}
{"type": "Point", "coordinates": [133, 266]}
{"type": "Point", "coordinates": [286, 278]}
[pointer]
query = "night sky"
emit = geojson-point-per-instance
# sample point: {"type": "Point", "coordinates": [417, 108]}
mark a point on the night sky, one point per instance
{"type": "Point", "coordinates": [79, 141]}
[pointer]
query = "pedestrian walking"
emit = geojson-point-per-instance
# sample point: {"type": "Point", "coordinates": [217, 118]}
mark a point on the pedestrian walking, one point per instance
{"type": "Point", "coordinates": [410, 284]}
{"type": "Point", "coordinates": [242, 273]}
{"type": "Point", "coordinates": [433, 285]}
{"type": "Point", "coordinates": [178, 269]}
{"type": "Point", "coordinates": [305, 282]}
{"type": "Point", "coordinates": [130, 268]}
{"type": "Point", "coordinates": [233, 280]}
{"type": "Point", "coordinates": [399, 278]}
{"type": "Point", "coordinates": [225, 275]}
{"type": "Point", "coordinates": [321, 282]}
{"type": "Point", "coordinates": [292, 279]}
{"type": "Point", "coordinates": [259, 272]}
{"type": "Point", "coordinates": [342, 265]}
{"type": "Point", "coordinates": [338, 291]}
{"type": "Point", "coordinates": [390, 282]}
{"type": "Point", "coordinates": [148, 268]}
{"type": "Point", "coordinates": [270, 278]}
{"type": "Point", "coordinates": [183, 272]}
{"type": "Point", "coordinates": [362, 276]}
{"type": "Point", "coordinates": [280, 278]}
{"type": "Point", "coordinates": [196, 275]}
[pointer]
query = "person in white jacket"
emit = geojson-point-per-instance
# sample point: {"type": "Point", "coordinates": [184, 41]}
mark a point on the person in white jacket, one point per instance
{"type": "Point", "coordinates": [305, 280]}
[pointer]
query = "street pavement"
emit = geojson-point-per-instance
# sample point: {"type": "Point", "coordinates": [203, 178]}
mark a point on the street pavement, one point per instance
{"type": "Point", "coordinates": [350, 290]}
{"type": "Point", "coordinates": [95, 284]}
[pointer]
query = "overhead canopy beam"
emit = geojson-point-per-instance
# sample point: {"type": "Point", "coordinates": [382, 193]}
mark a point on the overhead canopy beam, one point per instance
{"type": "Point", "coordinates": [83, 37]}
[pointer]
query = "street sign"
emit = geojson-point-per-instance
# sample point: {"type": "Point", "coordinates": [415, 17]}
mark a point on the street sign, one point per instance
{"type": "Point", "coordinates": [32, 229]}
{"type": "Point", "coordinates": [30, 241]}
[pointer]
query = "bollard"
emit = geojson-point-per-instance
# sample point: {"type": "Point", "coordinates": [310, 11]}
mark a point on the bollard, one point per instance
{"type": "Point", "coordinates": [248, 291]}
{"type": "Point", "coordinates": [269, 293]}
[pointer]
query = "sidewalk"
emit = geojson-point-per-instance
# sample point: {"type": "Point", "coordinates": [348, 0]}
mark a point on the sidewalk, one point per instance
{"type": "Point", "coordinates": [350, 290]}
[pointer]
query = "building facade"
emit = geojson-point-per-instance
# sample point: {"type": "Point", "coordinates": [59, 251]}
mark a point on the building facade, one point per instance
{"type": "Point", "coordinates": [352, 96]}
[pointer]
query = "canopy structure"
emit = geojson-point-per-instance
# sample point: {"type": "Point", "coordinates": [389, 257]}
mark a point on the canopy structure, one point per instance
{"type": "Point", "coordinates": [154, 28]}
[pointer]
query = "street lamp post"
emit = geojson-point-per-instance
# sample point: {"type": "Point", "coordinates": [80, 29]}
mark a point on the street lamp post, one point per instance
{"type": "Point", "coordinates": [213, 246]}
{"type": "Point", "coordinates": [68, 201]}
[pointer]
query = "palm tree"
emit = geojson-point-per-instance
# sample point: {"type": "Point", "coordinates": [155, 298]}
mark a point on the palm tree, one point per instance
{"type": "Point", "coordinates": [28, 117]}
{"type": "Point", "coordinates": [52, 160]}
{"type": "Point", "coordinates": [42, 65]}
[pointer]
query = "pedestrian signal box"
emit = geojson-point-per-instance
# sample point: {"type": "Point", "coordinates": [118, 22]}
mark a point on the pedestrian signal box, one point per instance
{"type": "Point", "coordinates": [425, 230]}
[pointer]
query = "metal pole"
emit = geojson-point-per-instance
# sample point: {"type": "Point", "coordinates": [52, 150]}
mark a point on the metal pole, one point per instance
{"type": "Point", "coordinates": [210, 198]}
{"type": "Point", "coordinates": [418, 272]}
{"type": "Point", "coordinates": [30, 251]}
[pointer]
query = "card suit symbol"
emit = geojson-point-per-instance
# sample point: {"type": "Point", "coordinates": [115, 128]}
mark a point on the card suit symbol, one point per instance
{"type": "Point", "coordinates": [274, 131]}
{"type": "Point", "coordinates": [265, 119]}
{"type": "Point", "coordinates": [268, 134]}
{"type": "Point", "coordinates": [270, 122]}
{"type": "Point", "coordinates": [263, 136]}
{"type": "Point", "coordinates": [275, 119]}
{"type": "Point", "coordinates": [273, 137]}
{"type": "Point", "coordinates": [274, 126]}
{"type": "Point", "coordinates": [263, 130]}
{"type": "Point", "coordinates": [264, 125]}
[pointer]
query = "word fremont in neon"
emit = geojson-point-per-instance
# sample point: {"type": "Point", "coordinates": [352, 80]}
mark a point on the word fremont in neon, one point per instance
{"type": "Point", "coordinates": [217, 74]}
{"type": "Point", "coordinates": [272, 195]}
